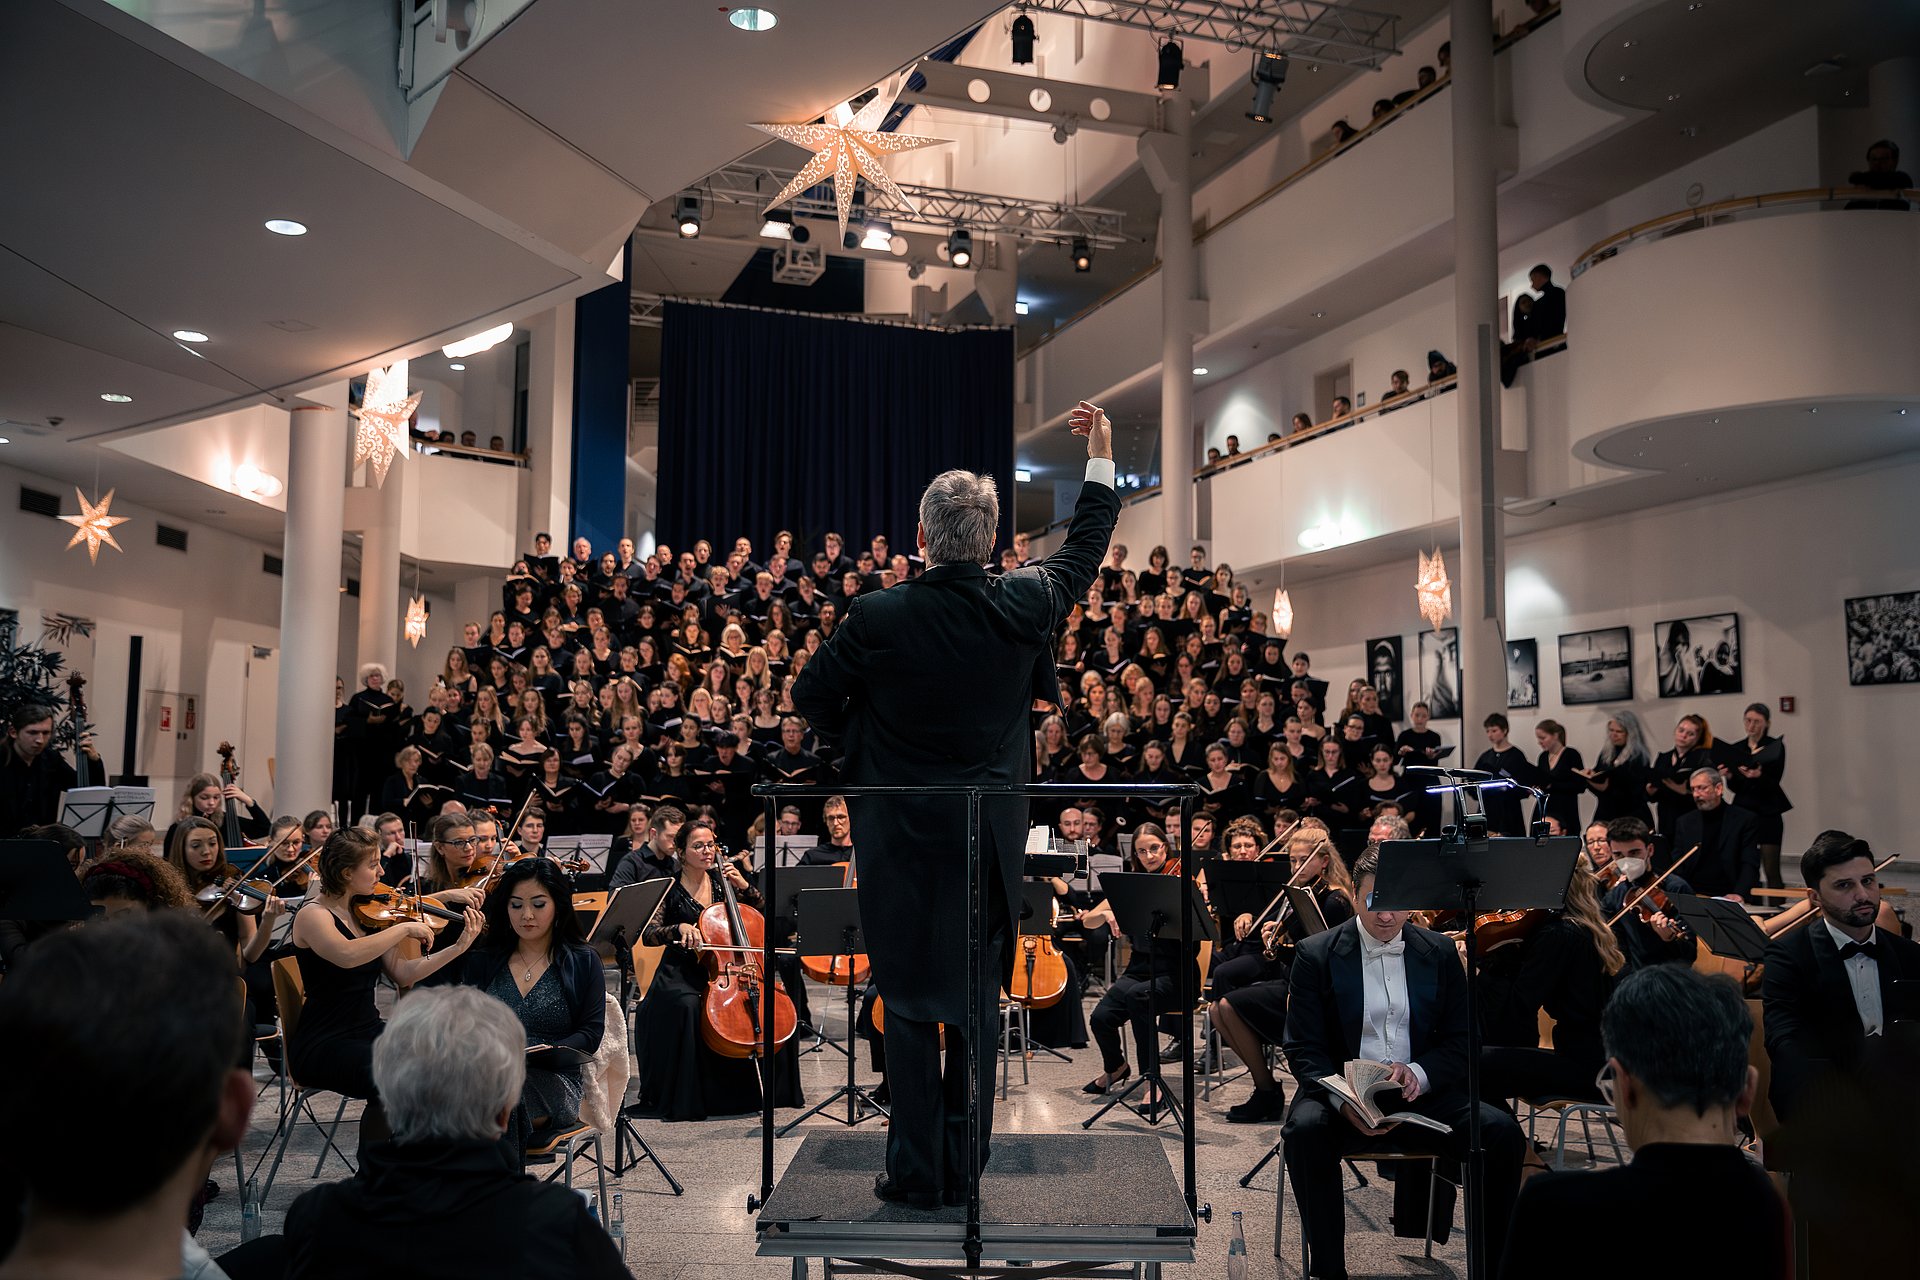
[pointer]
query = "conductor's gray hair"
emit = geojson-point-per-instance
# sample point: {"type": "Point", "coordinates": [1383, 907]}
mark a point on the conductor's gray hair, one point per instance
{"type": "Point", "coordinates": [449, 1062]}
{"type": "Point", "coordinates": [960, 513]}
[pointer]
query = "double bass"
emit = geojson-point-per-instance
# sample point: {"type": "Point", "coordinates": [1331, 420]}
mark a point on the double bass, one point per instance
{"type": "Point", "coordinates": [732, 938]}
{"type": "Point", "coordinates": [230, 776]}
{"type": "Point", "coordinates": [77, 718]}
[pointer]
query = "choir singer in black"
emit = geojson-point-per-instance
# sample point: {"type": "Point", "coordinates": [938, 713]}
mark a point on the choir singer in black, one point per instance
{"type": "Point", "coordinates": [930, 682]}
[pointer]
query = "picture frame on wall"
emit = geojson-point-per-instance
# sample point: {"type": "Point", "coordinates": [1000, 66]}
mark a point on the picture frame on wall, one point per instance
{"type": "Point", "coordinates": [1698, 657]}
{"type": "Point", "coordinates": [1523, 675]}
{"type": "Point", "coordinates": [1440, 672]}
{"type": "Point", "coordinates": [1384, 674]}
{"type": "Point", "coordinates": [1596, 666]}
{"type": "Point", "coordinates": [1883, 638]}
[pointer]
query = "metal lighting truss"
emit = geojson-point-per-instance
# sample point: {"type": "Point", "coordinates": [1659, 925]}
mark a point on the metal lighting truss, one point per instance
{"type": "Point", "coordinates": [1307, 29]}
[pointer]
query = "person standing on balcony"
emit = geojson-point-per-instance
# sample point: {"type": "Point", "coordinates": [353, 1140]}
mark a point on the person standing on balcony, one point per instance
{"type": "Point", "coordinates": [1883, 173]}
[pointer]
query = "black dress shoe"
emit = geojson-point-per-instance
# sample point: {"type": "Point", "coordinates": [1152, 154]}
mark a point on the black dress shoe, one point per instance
{"type": "Point", "coordinates": [1264, 1105]}
{"type": "Point", "coordinates": [1113, 1081]}
{"type": "Point", "coordinates": [885, 1188]}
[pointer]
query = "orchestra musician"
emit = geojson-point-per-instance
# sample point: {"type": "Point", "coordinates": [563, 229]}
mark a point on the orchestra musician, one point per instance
{"type": "Point", "coordinates": [680, 1077]}
{"type": "Point", "coordinates": [32, 776]}
{"type": "Point", "coordinates": [1255, 1015]}
{"type": "Point", "coordinates": [1383, 989]}
{"type": "Point", "coordinates": [332, 1046]}
{"type": "Point", "coordinates": [931, 681]}
{"type": "Point", "coordinates": [451, 870]}
{"type": "Point", "coordinates": [650, 853]}
{"type": "Point", "coordinates": [196, 852]}
{"type": "Point", "coordinates": [206, 797]}
{"type": "Point", "coordinates": [127, 880]}
{"type": "Point", "coordinates": [1656, 938]}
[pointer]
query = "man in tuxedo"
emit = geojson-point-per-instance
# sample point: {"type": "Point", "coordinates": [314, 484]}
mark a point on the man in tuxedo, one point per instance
{"type": "Point", "coordinates": [1678, 1077]}
{"type": "Point", "coordinates": [1381, 989]}
{"type": "Point", "coordinates": [1827, 987]}
{"type": "Point", "coordinates": [1728, 864]}
{"type": "Point", "coordinates": [930, 683]}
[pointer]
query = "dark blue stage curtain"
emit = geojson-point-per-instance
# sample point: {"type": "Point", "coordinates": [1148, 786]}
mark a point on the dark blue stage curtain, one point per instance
{"type": "Point", "coordinates": [773, 421]}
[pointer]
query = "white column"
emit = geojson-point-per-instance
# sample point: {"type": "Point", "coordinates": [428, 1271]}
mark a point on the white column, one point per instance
{"type": "Point", "coordinates": [549, 428]}
{"type": "Point", "coordinates": [1479, 593]}
{"type": "Point", "coordinates": [310, 602]}
{"type": "Point", "coordinates": [378, 518]}
{"type": "Point", "coordinates": [1165, 155]}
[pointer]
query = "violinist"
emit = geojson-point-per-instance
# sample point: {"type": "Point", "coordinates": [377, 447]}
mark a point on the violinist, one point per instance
{"type": "Point", "coordinates": [1240, 962]}
{"type": "Point", "coordinates": [287, 867]}
{"type": "Point", "coordinates": [196, 853]}
{"type": "Point", "coordinates": [1566, 965]}
{"type": "Point", "coordinates": [1599, 854]}
{"type": "Point", "coordinates": [1255, 1015]}
{"type": "Point", "coordinates": [206, 797]}
{"type": "Point", "coordinates": [680, 1077]}
{"type": "Point", "coordinates": [332, 1046]}
{"type": "Point", "coordinates": [1648, 937]}
{"type": "Point", "coordinates": [456, 879]}
{"type": "Point", "coordinates": [531, 842]}
{"type": "Point", "coordinates": [535, 960]}
{"type": "Point", "coordinates": [1154, 966]}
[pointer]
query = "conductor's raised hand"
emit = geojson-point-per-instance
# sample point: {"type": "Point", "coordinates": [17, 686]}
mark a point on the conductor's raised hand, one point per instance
{"type": "Point", "coordinates": [1090, 420]}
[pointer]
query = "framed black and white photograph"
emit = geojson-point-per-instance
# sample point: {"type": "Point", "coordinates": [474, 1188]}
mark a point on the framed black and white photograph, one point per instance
{"type": "Point", "coordinates": [1383, 673]}
{"type": "Point", "coordinates": [1596, 666]}
{"type": "Point", "coordinates": [1440, 672]}
{"type": "Point", "coordinates": [1523, 675]}
{"type": "Point", "coordinates": [1697, 656]}
{"type": "Point", "coordinates": [1883, 639]}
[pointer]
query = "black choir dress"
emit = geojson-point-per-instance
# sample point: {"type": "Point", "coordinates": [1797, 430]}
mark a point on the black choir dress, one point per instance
{"type": "Point", "coordinates": [1263, 1006]}
{"type": "Point", "coordinates": [680, 1078]}
{"type": "Point", "coordinates": [332, 1047]}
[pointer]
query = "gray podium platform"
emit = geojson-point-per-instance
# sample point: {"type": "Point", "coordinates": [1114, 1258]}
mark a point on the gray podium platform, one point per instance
{"type": "Point", "coordinates": [1106, 1204]}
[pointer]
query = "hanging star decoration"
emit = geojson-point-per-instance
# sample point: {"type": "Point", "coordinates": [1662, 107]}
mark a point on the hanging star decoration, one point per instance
{"type": "Point", "coordinates": [94, 526]}
{"type": "Point", "coordinates": [383, 414]}
{"type": "Point", "coordinates": [1282, 614]}
{"type": "Point", "coordinates": [847, 146]}
{"type": "Point", "coordinates": [1435, 592]}
{"type": "Point", "coordinates": [416, 620]}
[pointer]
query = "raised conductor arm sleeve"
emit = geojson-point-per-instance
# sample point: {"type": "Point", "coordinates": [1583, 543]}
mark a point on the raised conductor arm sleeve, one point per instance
{"type": "Point", "coordinates": [1070, 570]}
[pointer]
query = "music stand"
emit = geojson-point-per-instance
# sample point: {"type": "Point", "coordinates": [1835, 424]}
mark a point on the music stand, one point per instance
{"type": "Point", "coordinates": [1146, 905]}
{"type": "Point", "coordinates": [87, 810]}
{"type": "Point", "coordinates": [789, 850]}
{"type": "Point", "coordinates": [832, 916]}
{"type": "Point", "coordinates": [37, 884]}
{"type": "Point", "coordinates": [784, 911]}
{"type": "Point", "coordinates": [630, 908]}
{"type": "Point", "coordinates": [1244, 888]}
{"type": "Point", "coordinates": [1307, 918]}
{"type": "Point", "coordinates": [1036, 920]}
{"type": "Point", "coordinates": [1469, 872]}
{"type": "Point", "coordinates": [1725, 927]}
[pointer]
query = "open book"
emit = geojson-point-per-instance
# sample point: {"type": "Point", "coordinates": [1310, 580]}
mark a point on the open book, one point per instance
{"type": "Point", "coordinates": [1361, 1083]}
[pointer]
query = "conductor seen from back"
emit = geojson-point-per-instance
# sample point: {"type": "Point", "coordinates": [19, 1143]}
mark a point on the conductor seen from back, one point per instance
{"type": "Point", "coordinates": [931, 682]}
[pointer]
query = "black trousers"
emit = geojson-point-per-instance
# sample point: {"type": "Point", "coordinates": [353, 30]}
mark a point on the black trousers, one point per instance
{"type": "Point", "coordinates": [927, 1139]}
{"type": "Point", "coordinates": [1534, 1073]}
{"type": "Point", "coordinates": [1317, 1136]}
{"type": "Point", "coordinates": [1126, 1001]}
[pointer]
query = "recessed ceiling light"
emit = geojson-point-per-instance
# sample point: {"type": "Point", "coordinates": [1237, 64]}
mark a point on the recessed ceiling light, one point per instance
{"type": "Point", "coordinates": [456, 366]}
{"type": "Point", "coordinates": [4, 440]}
{"type": "Point", "coordinates": [286, 227]}
{"type": "Point", "coordinates": [1628, 44]}
{"type": "Point", "coordinates": [114, 397]}
{"type": "Point", "coordinates": [189, 335]}
{"type": "Point", "coordinates": [1673, 97]}
{"type": "Point", "coordinates": [1319, 315]}
{"type": "Point", "coordinates": [1809, 411]}
{"type": "Point", "coordinates": [1624, 79]}
{"type": "Point", "coordinates": [753, 19]}
{"type": "Point", "coordinates": [1022, 308]}
{"type": "Point", "coordinates": [1901, 412]}
{"type": "Point", "coordinates": [1716, 420]}
{"type": "Point", "coordinates": [1021, 475]}
{"type": "Point", "coordinates": [1200, 371]}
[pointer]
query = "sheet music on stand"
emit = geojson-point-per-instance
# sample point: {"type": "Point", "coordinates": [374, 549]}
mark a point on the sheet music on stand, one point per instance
{"type": "Point", "coordinates": [593, 848]}
{"type": "Point", "coordinates": [91, 810]}
{"type": "Point", "coordinates": [788, 851]}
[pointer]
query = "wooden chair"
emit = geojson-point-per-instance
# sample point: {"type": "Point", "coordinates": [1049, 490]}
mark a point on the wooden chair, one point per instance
{"type": "Point", "coordinates": [291, 995]}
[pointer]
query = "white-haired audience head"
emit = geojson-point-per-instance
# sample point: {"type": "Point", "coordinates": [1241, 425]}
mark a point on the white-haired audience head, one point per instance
{"type": "Point", "coordinates": [450, 1066]}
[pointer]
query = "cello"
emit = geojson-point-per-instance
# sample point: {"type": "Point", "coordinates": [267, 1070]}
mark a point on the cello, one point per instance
{"type": "Point", "coordinates": [732, 938]}
{"type": "Point", "coordinates": [1039, 971]}
{"type": "Point", "coordinates": [829, 969]}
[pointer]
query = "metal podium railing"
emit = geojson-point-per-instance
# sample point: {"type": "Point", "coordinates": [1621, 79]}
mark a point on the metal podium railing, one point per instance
{"type": "Point", "coordinates": [1184, 792]}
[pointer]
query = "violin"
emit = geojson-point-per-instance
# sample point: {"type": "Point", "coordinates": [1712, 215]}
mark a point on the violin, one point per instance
{"type": "Point", "coordinates": [1495, 929]}
{"type": "Point", "coordinates": [830, 969]}
{"type": "Point", "coordinates": [249, 897]}
{"type": "Point", "coordinates": [386, 906]}
{"type": "Point", "coordinates": [1652, 900]}
{"type": "Point", "coordinates": [1039, 971]}
{"type": "Point", "coordinates": [732, 938]}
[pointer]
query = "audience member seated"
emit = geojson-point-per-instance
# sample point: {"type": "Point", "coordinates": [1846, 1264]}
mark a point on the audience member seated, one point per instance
{"type": "Point", "coordinates": [1883, 173]}
{"type": "Point", "coordinates": [1677, 1074]}
{"type": "Point", "coordinates": [1383, 990]}
{"type": "Point", "coordinates": [1342, 408]}
{"type": "Point", "coordinates": [438, 1201]}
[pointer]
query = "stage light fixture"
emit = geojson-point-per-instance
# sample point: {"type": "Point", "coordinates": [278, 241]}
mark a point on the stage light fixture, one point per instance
{"type": "Point", "coordinates": [878, 235]}
{"type": "Point", "coordinates": [960, 247]}
{"type": "Point", "coordinates": [1169, 77]}
{"type": "Point", "coordinates": [1269, 75]}
{"type": "Point", "coordinates": [1082, 254]}
{"type": "Point", "coordinates": [1022, 33]}
{"type": "Point", "coordinates": [686, 216]}
{"type": "Point", "coordinates": [778, 225]}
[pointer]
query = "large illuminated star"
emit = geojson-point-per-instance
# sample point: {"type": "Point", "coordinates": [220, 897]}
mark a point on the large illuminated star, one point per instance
{"type": "Point", "coordinates": [1435, 591]}
{"type": "Point", "coordinates": [847, 146]}
{"type": "Point", "coordinates": [383, 415]}
{"type": "Point", "coordinates": [416, 620]}
{"type": "Point", "coordinates": [94, 526]}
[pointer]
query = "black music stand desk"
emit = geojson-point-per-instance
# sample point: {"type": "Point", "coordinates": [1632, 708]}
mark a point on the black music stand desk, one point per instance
{"type": "Point", "coordinates": [630, 908]}
{"type": "Point", "coordinates": [831, 918]}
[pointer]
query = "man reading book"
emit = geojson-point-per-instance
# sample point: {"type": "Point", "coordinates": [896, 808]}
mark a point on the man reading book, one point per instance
{"type": "Point", "coordinates": [1378, 990]}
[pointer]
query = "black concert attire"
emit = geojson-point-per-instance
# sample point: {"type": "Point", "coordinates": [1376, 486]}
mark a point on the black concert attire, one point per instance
{"type": "Point", "coordinates": [1268, 798]}
{"type": "Point", "coordinates": [1636, 937]}
{"type": "Point", "coordinates": [1505, 816]}
{"type": "Point", "coordinates": [1327, 1021]}
{"type": "Point", "coordinates": [1341, 787]}
{"type": "Point", "coordinates": [416, 809]}
{"type": "Point", "coordinates": [566, 1009]}
{"type": "Point", "coordinates": [929, 681]}
{"type": "Point", "coordinates": [1669, 805]}
{"type": "Point", "coordinates": [1563, 787]}
{"type": "Point", "coordinates": [332, 1047]}
{"type": "Point", "coordinates": [30, 791]}
{"type": "Point", "coordinates": [1262, 1004]}
{"type": "Point", "coordinates": [1729, 857]}
{"type": "Point", "coordinates": [1620, 790]}
{"type": "Point", "coordinates": [445, 1211]}
{"type": "Point", "coordinates": [1817, 1032]}
{"type": "Point", "coordinates": [375, 720]}
{"type": "Point", "coordinates": [1558, 968]}
{"type": "Point", "coordinates": [634, 863]}
{"type": "Point", "coordinates": [680, 1078]}
{"type": "Point", "coordinates": [1156, 966]}
{"type": "Point", "coordinates": [254, 822]}
{"type": "Point", "coordinates": [1763, 796]}
{"type": "Point", "coordinates": [1738, 1225]}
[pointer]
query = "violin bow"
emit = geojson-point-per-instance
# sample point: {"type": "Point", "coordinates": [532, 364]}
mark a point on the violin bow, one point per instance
{"type": "Point", "coordinates": [1635, 900]}
{"type": "Point", "coordinates": [208, 913]}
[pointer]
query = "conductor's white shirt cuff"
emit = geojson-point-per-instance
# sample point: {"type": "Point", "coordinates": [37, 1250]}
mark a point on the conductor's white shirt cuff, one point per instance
{"type": "Point", "coordinates": [1100, 471]}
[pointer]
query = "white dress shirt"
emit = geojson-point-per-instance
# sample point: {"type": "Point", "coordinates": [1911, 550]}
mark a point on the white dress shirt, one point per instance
{"type": "Point", "coordinates": [1863, 975]}
{"type": "Point", "coordinates": [1386, 1033]}
{"type": "Point", "coordinates": [1100, 471]}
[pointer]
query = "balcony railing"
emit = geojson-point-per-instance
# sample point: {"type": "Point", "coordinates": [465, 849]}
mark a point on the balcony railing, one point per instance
{"type": "Point", "coordinates": [1775, 202]}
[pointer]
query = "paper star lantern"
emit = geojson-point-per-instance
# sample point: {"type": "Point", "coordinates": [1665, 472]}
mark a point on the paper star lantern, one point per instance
{"type": "Point", "coordinates": [1435, 592]}
{"type": "Point", "coordinates": [847, 146]}
{"type": "Point", "coordinates": [383, 413]}
{"type": "Point", "coordinates": [1282, 614]}
{"type": "Point", "coordinates": [94, 526]}
{"type": "Point", "coordinates": [416, 620]}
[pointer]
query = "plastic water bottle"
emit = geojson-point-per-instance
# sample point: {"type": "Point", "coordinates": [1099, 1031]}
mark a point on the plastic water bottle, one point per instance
{"type": "Point", "coordinates": [617, 1225]}
{"type": "Point", "coordinates": [1237, 1250]}
{"type": "Point", "coordinates": [250, 1212]}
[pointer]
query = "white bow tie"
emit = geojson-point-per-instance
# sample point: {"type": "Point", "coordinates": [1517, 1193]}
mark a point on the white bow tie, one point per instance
{"type": "Point", "coordinates": [1371, 950]}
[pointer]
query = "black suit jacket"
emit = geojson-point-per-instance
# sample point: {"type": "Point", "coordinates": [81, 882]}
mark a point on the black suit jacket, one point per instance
{"type": "Point", "coordinates": [1327, 999]}
{"type": "Point", "coordinates": [1812, 1023]}
{"type": "Point", "coordinates": [931, 681]}
{"type": "Point", "coordinates": [1550, 312]}
{"type": "Point", "coordinates": [1732, 863]}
